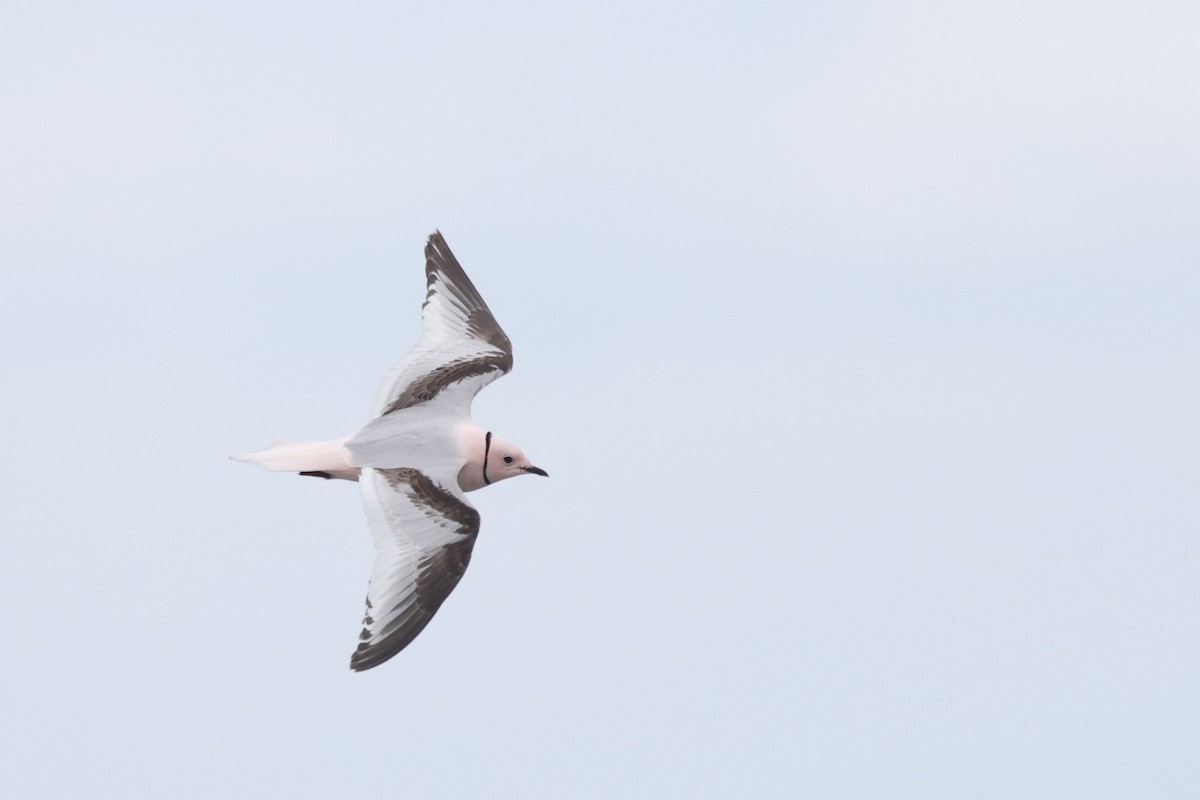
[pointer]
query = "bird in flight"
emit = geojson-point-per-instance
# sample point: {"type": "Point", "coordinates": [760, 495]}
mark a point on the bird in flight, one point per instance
{"type": "Point", "coordinates": [417, 459]}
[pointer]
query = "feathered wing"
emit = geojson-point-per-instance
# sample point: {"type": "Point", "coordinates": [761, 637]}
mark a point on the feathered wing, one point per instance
{"type": "Point", "coordinates": [424, 533]}
{"type": "Point", "coordinates": [460, 339]}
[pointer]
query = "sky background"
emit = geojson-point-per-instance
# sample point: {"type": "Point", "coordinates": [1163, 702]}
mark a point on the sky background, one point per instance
{"type": "Point", "coordinates": [859, 339]}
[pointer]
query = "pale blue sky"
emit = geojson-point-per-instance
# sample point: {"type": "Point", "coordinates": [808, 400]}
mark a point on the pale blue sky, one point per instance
{"type": "Point", "coordinates": [860, 341]}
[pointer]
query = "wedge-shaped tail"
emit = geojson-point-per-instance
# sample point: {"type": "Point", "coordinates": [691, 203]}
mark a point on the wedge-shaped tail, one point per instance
{"type": "Point", "coordinates": [318, 459]}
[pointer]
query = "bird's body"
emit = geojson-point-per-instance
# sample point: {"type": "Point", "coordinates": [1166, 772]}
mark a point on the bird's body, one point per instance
{"type": "Point", "coordinates": [418, 457]}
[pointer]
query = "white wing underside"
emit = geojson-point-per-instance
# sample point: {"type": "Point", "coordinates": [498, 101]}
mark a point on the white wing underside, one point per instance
{"type": "Point", "coordinates": [424, 531]}
{"type": "Point", "coordinates": [459, 339]}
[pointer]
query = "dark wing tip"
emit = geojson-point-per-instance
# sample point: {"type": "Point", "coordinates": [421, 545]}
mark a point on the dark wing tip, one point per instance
{"type": "Point", "coordinates": [442, 267]}
{"type": "Point", "coordinates": [370, 654]}
{"type": "Point", "coordinates": [367, 657]}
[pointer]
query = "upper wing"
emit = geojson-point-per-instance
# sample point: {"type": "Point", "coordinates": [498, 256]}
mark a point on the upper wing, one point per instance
{"type": "Point", "coordinates": [423, 533]}
{"type": "Point", "coordinates": [460, 338]}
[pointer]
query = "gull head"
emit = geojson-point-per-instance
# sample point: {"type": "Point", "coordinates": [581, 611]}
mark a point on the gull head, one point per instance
{"type": "Point", "coordinates": [490, 458]}
{"type": "Point", "coordinates": [505, 460]}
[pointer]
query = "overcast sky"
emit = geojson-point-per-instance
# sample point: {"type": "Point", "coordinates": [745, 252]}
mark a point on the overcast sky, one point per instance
{"type": "Point", "coordinates": [860, 340]}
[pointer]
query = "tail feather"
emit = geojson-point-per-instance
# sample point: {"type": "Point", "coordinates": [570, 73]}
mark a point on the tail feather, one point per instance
{"type": "Point", "coordinates": [325, 459]}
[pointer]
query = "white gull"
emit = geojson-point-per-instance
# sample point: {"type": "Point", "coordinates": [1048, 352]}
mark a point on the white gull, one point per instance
{"type": "Point", "coordinates": [418, 457]}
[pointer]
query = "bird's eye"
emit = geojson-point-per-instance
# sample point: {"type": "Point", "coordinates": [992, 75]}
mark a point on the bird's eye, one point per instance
{"type": "Point", "coordinates": [508, 459]}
